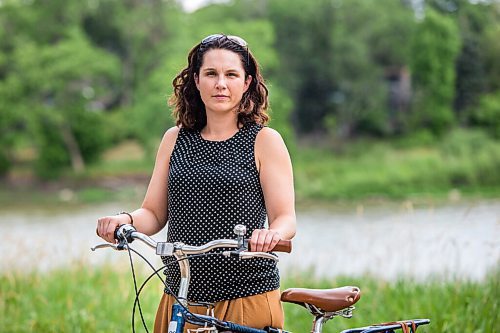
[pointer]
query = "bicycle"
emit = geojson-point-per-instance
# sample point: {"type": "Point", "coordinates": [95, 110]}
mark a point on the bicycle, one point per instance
{"type": "Point", "coordinates": [323, 304]}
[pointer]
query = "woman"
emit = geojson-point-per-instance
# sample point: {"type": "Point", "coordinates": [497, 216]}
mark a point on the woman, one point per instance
{"type": "Point", "coordinates": [220, 166]}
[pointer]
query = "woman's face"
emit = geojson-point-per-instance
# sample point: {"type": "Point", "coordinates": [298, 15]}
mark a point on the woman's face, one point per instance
{"type": "Point", "coordinates": [221, 81]}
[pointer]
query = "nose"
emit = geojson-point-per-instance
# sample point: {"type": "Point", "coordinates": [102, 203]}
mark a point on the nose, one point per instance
{"type": "Point", "coordinates": [221, 82]}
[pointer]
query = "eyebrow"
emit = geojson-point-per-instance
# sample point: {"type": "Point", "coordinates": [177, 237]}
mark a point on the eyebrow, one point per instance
{"type": "Point", "coordinates": [213, 69]}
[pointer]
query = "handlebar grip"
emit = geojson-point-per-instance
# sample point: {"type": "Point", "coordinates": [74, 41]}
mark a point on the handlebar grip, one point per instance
{"type": "Point", "coordinates": [282, 246]}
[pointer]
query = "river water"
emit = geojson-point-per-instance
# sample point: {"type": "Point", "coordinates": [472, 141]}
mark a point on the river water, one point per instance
{"type": "Point", "coordinates": [393, 240]}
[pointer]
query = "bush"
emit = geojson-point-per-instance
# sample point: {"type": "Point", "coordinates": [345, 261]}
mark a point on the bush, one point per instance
{"type": "Point", "coordinates": [53, 157]}
{"type": "Point", "coordinates": [4, 163]}
{"type": "Point", "coordinates": [471, 157]}
{"type": "Point", "coordinates": [487, 114]}
{"type": "Point", "coordinates": [436, 46]}
{"type": "Point", "coordinates": [90, 133]}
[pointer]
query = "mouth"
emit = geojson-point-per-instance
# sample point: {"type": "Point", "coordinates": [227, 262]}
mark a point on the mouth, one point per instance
{"type": "Point", "coordinates": [220, 96]}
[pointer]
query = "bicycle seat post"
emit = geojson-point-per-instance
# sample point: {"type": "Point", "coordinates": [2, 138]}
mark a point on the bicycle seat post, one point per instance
{"type": "Point", "coordinates": [320, 317]}
{"type": "Point", "coordinates": [318, 322]}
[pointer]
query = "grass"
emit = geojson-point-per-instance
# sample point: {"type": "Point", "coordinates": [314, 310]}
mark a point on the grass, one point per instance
{"type": "Point", "coordinates": [100, 299]}
{"type": "Point", "coordinates": [452, 306]}
{"type": "Point", "coordinates": [464, 163]}
{"type": "Point", "coordinates": [74, 300]}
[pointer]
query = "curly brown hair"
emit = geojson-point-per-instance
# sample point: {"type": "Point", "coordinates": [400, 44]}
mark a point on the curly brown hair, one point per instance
{"type": "Point", "coordinates": [189, 110]}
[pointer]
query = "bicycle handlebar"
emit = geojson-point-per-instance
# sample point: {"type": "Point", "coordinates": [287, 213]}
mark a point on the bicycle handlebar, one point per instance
{"type": "Point", "coordinates": [282, 246]}
{"type": "Point", "coordinates": [127, 233]}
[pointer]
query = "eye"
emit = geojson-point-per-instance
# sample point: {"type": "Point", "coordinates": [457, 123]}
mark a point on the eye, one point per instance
{"type": "Point", "coordinates": [210, 74]}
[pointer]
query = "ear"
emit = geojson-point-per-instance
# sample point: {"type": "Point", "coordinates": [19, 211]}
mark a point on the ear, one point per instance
{"type": "Point", "coordinates": [248, 80]}
{"type": "Point", "coordinates": [197, 81]}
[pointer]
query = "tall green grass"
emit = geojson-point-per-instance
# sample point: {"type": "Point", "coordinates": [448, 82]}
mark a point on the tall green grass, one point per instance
{"type": "Point", "coordinates": [80, 299]}
{"type": "Point", "coordinates": [464, 160]}
{"type": "Point", "coordinates": [452, 306]}
{"type": "Point", "coordinates": [84, 299]}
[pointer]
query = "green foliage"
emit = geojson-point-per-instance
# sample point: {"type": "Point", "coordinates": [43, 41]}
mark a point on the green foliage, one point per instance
{"type": "Point", "coordinates": [281, 110]}
{"type": "Point", "coordinates": [4, 163]}
{"type": "Point", "coordinates": [472, 77]}
{"type": "Point", "coordinates": [434, 71]}
{"type": "Point", "coordinates": [491, 54]}
{"type": "Point", "coordinates": [330, 71]}
{"type": "Point", "coordinates": [452, 306]}
{"type": "Point", "coordinates": [90, 299]}
{"type": "Point", "coordinates": [72, 301]}
{"type": "Point", "coordinates": [356, 73]}
{"type": "Point", "coordinates": [67, 84]}
{"type": "Point", "coordinates": [306, 58]}
{"type": "Point", "coordinates": [91, 134]}
{"type": "Point", "coordinates": [465, 160]}
{"type": "Point", "coordinates": [487, 114]}
{"type": "Point", "coordinates": [53, 157]}
{"type": "Point", "coordinates": [337, 67]}
{"type": "Point", "coordinates": [370, 42]}
{"type": "Point", "coordinates": [86, 128]}
{"type": "Point", "coordinates": [471, 157]}
{"type": "Point", "coordinates": [10, 122]}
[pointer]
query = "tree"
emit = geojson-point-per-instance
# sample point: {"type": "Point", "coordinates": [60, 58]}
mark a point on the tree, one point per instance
{"type": "Point", "coordinates": [280, 112]}
{"type": "Point", "coordinates": [435, 49]}
{"type": "Point", "coordinates": [491, 52]}
{"type": "Point", "coordinates": [335, 57]}
{"type": "Point", "coordinates": [370, 51]}
{"type": "Point", "coordinates": [135, 31]}
{"type": "Point", "coordinates": [472, 79]}
{"type": "Point", "coordinates": [304, 46]}
{"type": "Point", "coordinates": [64, 87]}
{"type": "Point", "coordinates": [20, 26]}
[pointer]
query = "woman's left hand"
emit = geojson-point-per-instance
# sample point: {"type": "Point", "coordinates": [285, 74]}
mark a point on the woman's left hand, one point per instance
{"type": "Point", "coordinates": [264, 240]}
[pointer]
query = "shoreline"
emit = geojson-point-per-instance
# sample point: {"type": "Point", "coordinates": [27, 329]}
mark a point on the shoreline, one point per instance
{"type": "Point", "coordinates": [77, 191]}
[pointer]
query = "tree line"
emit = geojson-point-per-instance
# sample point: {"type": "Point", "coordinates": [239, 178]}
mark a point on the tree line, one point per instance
{"type": "Point", "coordinates": [77, 77]}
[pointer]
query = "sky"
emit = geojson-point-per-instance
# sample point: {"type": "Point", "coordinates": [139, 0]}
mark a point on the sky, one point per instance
{"type": "Point", "coordinates": [192, 5]}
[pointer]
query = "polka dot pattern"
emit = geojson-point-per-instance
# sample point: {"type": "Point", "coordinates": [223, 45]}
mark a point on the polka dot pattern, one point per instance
{"type": "Point", "coordinates": [214, 185]}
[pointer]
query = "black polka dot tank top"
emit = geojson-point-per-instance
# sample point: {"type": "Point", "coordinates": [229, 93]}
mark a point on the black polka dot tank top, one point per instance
{"type": "Point", "coordinates": [212, 186]}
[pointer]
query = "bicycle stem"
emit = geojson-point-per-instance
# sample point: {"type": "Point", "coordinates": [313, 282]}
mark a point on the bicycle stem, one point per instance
{"type": "Point", "coordinates": [185, 277]}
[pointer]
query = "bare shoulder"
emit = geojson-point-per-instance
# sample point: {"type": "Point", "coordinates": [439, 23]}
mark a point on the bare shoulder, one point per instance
{"type": "Point", "coordinates": [268, 138]}
{"type": "Point", "coordinates": [269, 143]}
{"type": "Point", "coordinates": [168, 141]}
{"type": "Point", "coordinates": [172, 132]}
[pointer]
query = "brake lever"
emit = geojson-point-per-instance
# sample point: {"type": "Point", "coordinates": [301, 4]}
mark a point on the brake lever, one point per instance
{"type": "Point", "coordinates": [117, 247]}
{"type": "Point", "coordinates": [247, 255]}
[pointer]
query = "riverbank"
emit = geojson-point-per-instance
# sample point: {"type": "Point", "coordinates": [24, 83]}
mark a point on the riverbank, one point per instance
{"type": "Point", "coordinates": [462, 164]}
{"type": "Point", "coordinates": [89, 299]}
{"type": "Point", "coordinates": [130, 189]}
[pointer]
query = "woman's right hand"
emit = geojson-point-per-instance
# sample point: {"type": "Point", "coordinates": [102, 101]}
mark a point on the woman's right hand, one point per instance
{"type": "Point", "coordinates": [107, 225]}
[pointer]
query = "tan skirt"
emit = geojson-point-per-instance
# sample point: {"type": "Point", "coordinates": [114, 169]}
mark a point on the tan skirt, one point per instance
{"type": "Point", "coordinates": [257, 311]}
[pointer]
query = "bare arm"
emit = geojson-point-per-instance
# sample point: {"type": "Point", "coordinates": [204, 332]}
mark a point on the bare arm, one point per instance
{"type": "Point", "coordinates": [276, 178]}
{"type": "Point", "coordinates": [152, 216]}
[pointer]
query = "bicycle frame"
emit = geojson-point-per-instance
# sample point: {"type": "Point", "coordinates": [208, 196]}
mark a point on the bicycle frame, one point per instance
{"type": "Point", "coordinates": [180, 316]}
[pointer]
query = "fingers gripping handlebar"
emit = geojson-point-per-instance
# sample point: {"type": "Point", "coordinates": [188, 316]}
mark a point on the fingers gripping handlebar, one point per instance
{"type": "Point", "coordinates": [282, 246]}
{"type": "Point", "coordinates": [127, 233]}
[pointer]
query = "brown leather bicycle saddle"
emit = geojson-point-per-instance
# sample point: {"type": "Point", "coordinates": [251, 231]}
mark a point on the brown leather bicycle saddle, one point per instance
{"type": "Point", "coordinates": [328, 300]}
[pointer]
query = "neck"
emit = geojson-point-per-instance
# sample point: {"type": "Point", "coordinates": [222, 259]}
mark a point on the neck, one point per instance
{"type": "Point", "coordinates": [220, 126]}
